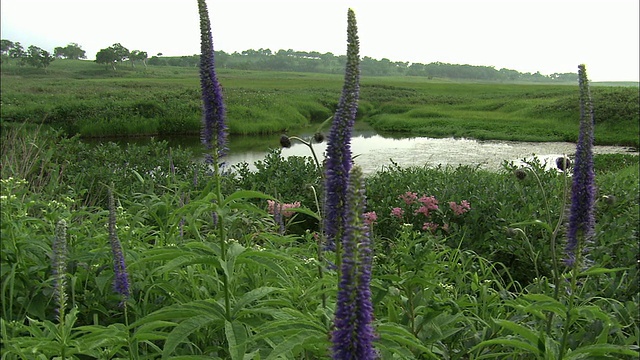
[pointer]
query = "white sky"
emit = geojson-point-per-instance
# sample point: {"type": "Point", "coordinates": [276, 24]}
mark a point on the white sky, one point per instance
{"type": "Point", "coordinates": [524, 35]}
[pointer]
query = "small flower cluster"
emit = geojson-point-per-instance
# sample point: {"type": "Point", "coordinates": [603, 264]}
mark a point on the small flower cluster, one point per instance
{"type": "Point", "coordinates": [426, 209]}
{"type": "Point", "coordinates": [276, 208]}
{"type": "Point", "coordinates": [370, 218]}
{"type": "Point", "coordinates": [460, 209]}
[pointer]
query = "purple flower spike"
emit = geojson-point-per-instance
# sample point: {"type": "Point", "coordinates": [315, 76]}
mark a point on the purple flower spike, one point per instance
{"type": "Point", "coordinates": [353, 335]}
{"type": "Point", "coordinates": [121, 278]}
{"type": "Point", "coordinates": [339, 162]}
{"type": "Point", "coordinates": [581, 227]}
{"type": "Point", "coordinates": [214, 129]}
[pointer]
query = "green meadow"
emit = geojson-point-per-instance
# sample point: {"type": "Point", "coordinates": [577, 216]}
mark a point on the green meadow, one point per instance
{"type": "Point", "coordinates": [214, 271]}
{"type": "Point", "coordinates": [86, 98]}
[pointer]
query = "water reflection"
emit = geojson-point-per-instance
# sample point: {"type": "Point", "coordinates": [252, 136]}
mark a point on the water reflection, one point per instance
{"type": "Point", "coordinates": [375, 151]}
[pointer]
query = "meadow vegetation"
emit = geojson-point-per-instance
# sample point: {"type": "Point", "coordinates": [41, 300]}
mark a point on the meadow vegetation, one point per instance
{"type": "Point", "coordinates": [142, 252]}
{"type": "Point", "coordinates": [83, 97]}
{"type": "Point", "coordinates": [452, 294]}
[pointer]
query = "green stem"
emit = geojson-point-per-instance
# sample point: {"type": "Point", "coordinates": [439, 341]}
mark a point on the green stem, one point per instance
{"type": "Point", "coordinates": [222, 237]}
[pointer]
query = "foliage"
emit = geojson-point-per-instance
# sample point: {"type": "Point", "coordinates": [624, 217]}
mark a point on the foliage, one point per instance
{"type": "Point", "coordinates": [72, 51]}
{"type": "Point", "coordinates": [433, 294]}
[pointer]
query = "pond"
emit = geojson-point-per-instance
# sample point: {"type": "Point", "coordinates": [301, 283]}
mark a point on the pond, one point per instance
{"type": "Point", "coordinates": [375, 151]}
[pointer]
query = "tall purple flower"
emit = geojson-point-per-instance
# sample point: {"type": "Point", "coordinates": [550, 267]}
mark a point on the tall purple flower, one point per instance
{"type": "Point", "coordinates": [338, 157]}
{"type": "Point", "coordinates": [353, 335]}
{"type": "Point", "coordinates": [59, 268]}
{"type": "Point", "coordinates": [214, 129]}
{"type": "Point", "coordinates": [581, 227]}
{"type": "Point", "coordinates": [121, 278]}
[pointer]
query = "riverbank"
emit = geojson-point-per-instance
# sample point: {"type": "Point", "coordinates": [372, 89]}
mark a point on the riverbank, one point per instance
{"type": "Point", "coordinates": [81, 97]}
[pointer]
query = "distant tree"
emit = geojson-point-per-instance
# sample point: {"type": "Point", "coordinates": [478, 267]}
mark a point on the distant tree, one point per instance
{"type": "Point", "coordinates": [71, 51]}
{"type": "Point", "coordinates": [108, 57]}
{"type": "Point", "coordinates": [137, 55]}
{"type": "Point", "coordinates": [115, 53]}
{"type": "Point", "coordinates": [120, 51]}
{"type": "Point", "coordinates": [17, 52]}
{"type": "Point", "coordinates": [6, 46]}
{"type": "Point", "coordinates": [38, 57]}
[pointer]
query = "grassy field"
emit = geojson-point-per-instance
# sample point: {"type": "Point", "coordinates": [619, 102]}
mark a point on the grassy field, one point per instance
{"type": "Point", "coordinates": [86, 98]}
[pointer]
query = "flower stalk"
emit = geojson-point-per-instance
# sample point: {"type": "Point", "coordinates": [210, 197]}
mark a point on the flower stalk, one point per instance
{"type": "Point", "coordinates": [338, 155]}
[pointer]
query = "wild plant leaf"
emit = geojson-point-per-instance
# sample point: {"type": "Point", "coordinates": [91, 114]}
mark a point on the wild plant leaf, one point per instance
{"type": "Point", "coordinates": [154, 330]}
{"type": "Point", "coordinates": [236, 335]}
{"type": "Point", "coordinates": [200, 308]}
{"type": "Point", "coordinates": [181, 332]}
{"type": "Point", "coordinates": [400, 335]}
{"type": "Point", "coordinates": [296, 343]}
{"type": "Point", "coordinates": [261, 258]}
{"type": "Point", "coordinates": [245, 194]}
{"type": "Point", "coordinates": [514, 343]}
{"type": "Point", "coordinates": [590, 351]}
{"type": "Point", "coordinates": [303, 210]}
{"type": "Point", "coordinates": [599, 271]}
{"type": "Point", "coordinates": [388, 349]}
{"type": "Point", "coordinates": [542, 224]}
{"type": "Point", "coordinates": [523, 331]}
{"type": "Point", "coordinates": [250, 297]}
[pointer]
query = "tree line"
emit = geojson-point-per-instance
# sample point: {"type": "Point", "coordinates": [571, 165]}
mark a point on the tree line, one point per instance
{"type": "Point", "coordinates": [303, 61]}
{"type": "Point", "coordinates": [281, 60]}
{"type": "Point", "coordinates": [38, 57]}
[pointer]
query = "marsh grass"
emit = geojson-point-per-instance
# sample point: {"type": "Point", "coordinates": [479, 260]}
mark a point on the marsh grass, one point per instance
{"type": "Point", "coordinates": [84, 97]}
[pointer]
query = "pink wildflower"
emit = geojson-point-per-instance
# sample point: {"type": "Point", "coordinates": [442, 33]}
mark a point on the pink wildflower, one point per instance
{"type": "Point", "coordinates": [430, 202]}
{"type": "Point", "coordinates": [370, 217]}
{"type": "Point", "coordinates": [277, 208]}
{"type": "Point", "coordinates": [408, 197]}
{"type": "Point", "coordinates": [397, 212]}
{"type": "Point", "coordinates": [460, 209]}
{"type": "Point", "coordinates": [429, 226]}
{"type": "Point", "coordinates": [422, 210]}
{"type": "Point", "coordinates": [294, 205]}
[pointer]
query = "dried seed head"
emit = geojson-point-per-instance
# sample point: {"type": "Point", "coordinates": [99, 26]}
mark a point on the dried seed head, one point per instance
{"type": "Point", "coordinates": [563, 163]}
{"type": "Point", "coordinates": [285, 142]}
{"type": "Point", "coordinates": [520, 174]}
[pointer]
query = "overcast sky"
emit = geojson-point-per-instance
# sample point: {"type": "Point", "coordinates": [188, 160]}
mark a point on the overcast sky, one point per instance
{"type": "Point", "coordinates": [524, 35]}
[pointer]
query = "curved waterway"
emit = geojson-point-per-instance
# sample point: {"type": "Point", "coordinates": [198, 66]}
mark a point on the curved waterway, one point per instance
{"type": "Point", "coordinates": [374, 152]}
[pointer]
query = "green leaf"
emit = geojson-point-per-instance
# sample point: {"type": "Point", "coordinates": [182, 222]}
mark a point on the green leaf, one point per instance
{"type": "Point", "coordinates": [237, 338]}
{"type": "Point", "coordinates": [534, 222]}
{"type": "Point", "coordinates": [297, 343]}
{"type": "Point", "coordinates": [250, 297]}
{"type": "Point", "coordinates": [526, 333]}
{"type": "Point", "coordinates": [400, 335]}
{"type": "Point", "coordinates": [245, 194]}
{"type": "Point", "coordinates": [518, 344]}
{"type": "Point", "coordinates": [181, 332]}
{"type": "Point", "coordinates": [305, 211]}
{"type": "Point", "coordinates": [599, 270]}
{"type": "Point", "coordinates": [589, 351]}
